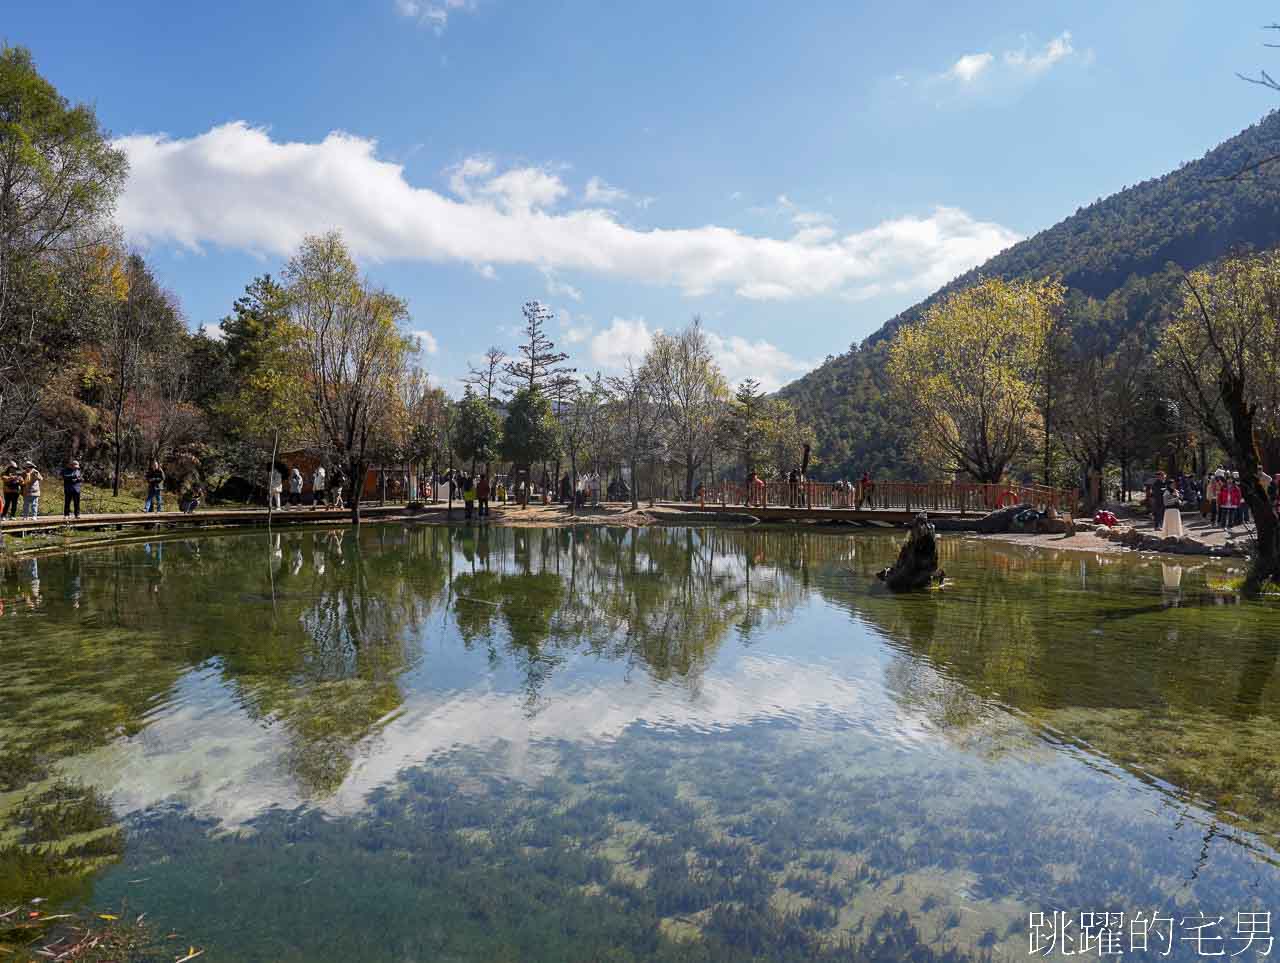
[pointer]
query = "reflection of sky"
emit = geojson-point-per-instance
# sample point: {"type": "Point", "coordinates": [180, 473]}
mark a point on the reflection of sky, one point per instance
{"type": "Point", "coordinates": [817, 672]}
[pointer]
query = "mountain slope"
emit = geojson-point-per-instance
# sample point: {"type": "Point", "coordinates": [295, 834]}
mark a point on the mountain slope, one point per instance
{"type": "Point", "coordinates": [1114, 257]}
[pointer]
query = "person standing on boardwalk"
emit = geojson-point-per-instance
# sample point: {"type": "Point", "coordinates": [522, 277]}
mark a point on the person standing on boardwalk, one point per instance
{"type": "Point", "coordinates": [31, 490]}
{"type": "Point", "coordinates": [275, 486]}
{"type": "Point", "coordinates": [155, 488]}
{"type": "Point", "coordinates": [468, 496]}
{"type": "Point", "coordinates": [317, 487]}
{"type": "Point", "coordinates": [338, 485]}
{"type": "Point", "coordinates": [482, 495]}
{"type": "Point", "coordinates": [295, 487]}
{"type": "Point", "coordinates": [866, 491]}
{"type": "Point", "coordinates": [12, 490]}
{"type": "Point", "coordinates": [72, 478]}
{"type": "Point", "coordinates": [1211, 492]}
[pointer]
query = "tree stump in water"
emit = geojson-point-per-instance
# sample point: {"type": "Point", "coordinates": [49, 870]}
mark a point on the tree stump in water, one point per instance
{"type": "Point", "coordinates": [917, 561]}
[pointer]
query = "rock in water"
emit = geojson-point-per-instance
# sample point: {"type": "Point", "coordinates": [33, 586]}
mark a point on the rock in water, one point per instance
{"type": "Point", "coordinates": [917, 561]}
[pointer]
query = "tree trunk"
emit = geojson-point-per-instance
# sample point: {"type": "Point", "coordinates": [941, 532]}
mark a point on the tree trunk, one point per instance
{"type": "Point", "coordinates": [1266, 560]}
{"type": "Point", "coordinates": [357, 487]}
{"type": "Point", "coordinates": [115, 478]}
{"type": "Point", "coordinates": [573, 483]}
{"type": "Point", "coordinates": [635, 486]}
{"type": "Point", "coordinates": [688, 476]}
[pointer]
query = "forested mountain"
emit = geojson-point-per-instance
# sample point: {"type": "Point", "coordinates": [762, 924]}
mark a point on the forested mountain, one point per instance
{"type": "Point", "coordinates": [1120, 259]}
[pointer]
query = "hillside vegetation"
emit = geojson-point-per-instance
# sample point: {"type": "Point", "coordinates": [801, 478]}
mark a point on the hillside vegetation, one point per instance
{"type": "Point", "coordinates": [1120, 259]}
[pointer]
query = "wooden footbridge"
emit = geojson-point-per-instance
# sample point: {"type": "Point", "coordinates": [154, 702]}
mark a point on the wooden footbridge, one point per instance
{"type": "Point", "coordinates": [202, 518]}
{"type": "Point", "coordinates": [882, 503]}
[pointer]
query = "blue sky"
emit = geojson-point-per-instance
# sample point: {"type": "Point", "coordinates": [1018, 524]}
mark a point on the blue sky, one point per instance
{"type": "Point", "coordinates": [795, 174]}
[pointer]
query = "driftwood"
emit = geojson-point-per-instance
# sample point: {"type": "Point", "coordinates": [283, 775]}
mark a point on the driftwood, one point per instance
{"type": "Point", "coordinates": [917, 561]}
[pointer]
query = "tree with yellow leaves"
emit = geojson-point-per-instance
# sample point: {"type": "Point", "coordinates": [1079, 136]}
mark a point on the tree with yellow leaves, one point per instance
{"type": "Point", "coordinates": [966, 374]}
{"type": "Point", "coordinates": [1223, 347]}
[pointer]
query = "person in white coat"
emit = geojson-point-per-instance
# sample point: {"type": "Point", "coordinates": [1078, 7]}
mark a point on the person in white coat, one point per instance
{"type": "Point", "coordinates": [275, 486]}
{"type": "Point", "coordinates": [318, 482]}
{"type": "Point", "coordinates": [1172, 526]}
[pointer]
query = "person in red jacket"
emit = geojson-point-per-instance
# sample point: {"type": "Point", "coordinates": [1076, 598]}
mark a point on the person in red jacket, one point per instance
{"type": "Point", "coordinates": [482, 495]}
{"type": "Point", "coordinates": [1232, 498]}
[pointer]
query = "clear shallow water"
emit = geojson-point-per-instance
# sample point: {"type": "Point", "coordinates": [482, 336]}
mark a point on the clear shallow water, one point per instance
{"type": "Point", "coordinates": [464, 743]}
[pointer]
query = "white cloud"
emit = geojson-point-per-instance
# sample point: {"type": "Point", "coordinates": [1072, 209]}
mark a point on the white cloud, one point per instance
{"type": "Point", "coordinates": [969, 67]}
{"type": "Point", "coordinates": [1023, 62]}
{"type": "Point", "coordinates": [471, 168]}
{"type": "Point", "coordinates": [433, 13]}
{"type": "Point", "coordinates": [428, 340]}
{"type": "Point", "coordinates": [234, 186]}
{"type": "Point", "coordinates": [556, 287]}
{"type": "Point", "coordinates": [740, 358]}
{"type": "Point", "coordinates": [525, 189]}
{"type": "Point", "coordinates": [623, 340]}
{"type": "Point", "coordinates": [600, 191]}
{"type": "Point", "coordinates": [572, 333]}
{"type": "Point", "coordinates": [1055, 51]}
{"type": "Point", "coordinates": [213, 331]}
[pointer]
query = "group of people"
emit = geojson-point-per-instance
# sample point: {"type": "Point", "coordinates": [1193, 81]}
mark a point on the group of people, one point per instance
{"type": "Point", "coordinates": [22, 485]}
{"type": "Point", "coordinates": [1223, 498]}
{"type": "Point", "coordinates": [475, 491]}
{"type": "Point", "coordinates": [588, 489]}
{"type": "Point", "coordinates": [1219, 497]}
{"type": "Point", "coordinates": [326, 490]}
{"type": "Point", "coordinates": [847, 494]}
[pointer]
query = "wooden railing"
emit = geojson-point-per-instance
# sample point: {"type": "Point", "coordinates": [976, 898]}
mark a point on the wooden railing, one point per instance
{"type": "Point", "coordinates": [963, 497]}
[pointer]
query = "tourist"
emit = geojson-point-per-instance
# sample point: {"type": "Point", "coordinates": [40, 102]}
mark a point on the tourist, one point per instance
{"type": "Point", "coordinates": [317, 487]}
{"type": "Point", "coordinates": [337, 487]}
{"type": "Point", "coordinates": [72, 477]}
{"type": "Point", "coordinates": [866, 491]}
{"type": "Point", "coordinates": [1230, 500]}
{"type": "Point", "coordinates": [295, 487]}
{"type": "Point", "coordinates": [482, 495]}
{"type": "Point", "coordinates": [30, 490]}
{"type": "Point", "coordinates": [275, 487]}
{"type": "Point", "coordinates": [793, 488]}
{"type": "Point", "coordinates": [468, 495]}
{"type": "Point", "coordinates": [1156, 500]}
{"type": "Point", "coordinates": [12, 490]}
{"type": "Point", "coordinates": [155, 488]}
{"type": "Point", "coordinates": [1171, 521]}
{"type": "Point", "coordinates": [1212, 492]}
{"type": "Point", "coordinates": [190, 500]}
{"type": "Point", "coordinates": [500, 492]}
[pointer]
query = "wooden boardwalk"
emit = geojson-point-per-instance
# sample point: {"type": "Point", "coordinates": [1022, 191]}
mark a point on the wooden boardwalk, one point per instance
{"type": "Point", "coordinates": [201, 518]}
{"type": "Point", "coordinates": [890, 501]}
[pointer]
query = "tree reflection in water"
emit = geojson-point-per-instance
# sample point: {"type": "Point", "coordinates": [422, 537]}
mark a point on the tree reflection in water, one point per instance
{"type": "Point", "coordinates": [462, 698]}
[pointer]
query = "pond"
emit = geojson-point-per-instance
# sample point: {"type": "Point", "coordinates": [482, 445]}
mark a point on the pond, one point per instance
{"type": "Point", "coordinates": [468, 743]}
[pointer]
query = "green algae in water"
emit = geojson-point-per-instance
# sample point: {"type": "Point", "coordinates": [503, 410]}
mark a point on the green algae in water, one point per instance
{"type": "Point", "coordinates": [656, 744]}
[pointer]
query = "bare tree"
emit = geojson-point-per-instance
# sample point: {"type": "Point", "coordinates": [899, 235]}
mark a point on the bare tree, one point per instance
{"type": "Point", "coordinates": [486, 378]}
{"type": "Point", "coordinates": [580, 413]}
{"type": "Point", "coordinates": [133, 322]}
{"type": "Point", "coordinates": [638, 413]}
{"type": "Point", "coordinates": [1099, 393]}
